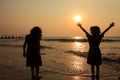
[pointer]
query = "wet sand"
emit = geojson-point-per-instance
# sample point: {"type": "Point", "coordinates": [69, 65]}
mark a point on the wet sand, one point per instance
{"type": "Point", "coordinates": [12, 67]}
{"type": "Point", "coordinates": [16, 74]}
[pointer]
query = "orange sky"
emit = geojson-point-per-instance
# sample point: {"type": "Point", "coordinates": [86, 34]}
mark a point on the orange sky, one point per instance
{"type": "Point", "coordinates": [55, 17]}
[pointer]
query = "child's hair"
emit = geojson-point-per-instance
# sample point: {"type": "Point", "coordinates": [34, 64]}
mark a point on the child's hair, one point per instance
{"type": "Point", "coordinates": [36, 31]}
{"type": "Point", "coordinates": [95, 30]}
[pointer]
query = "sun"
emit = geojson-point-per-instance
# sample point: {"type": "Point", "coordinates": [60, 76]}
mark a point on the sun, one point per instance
{"type": "Point", "coordinates": [77, 18]}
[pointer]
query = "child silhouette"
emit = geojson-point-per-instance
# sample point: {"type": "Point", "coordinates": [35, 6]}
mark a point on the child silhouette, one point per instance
{"type": "Point", "coordinates": [94, 53]}
{"type": "Point", "coordinates": [32, 53]}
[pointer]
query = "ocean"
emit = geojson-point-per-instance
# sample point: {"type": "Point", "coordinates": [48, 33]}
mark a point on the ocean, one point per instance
{"type": "Point", "coordinates": [63, 55]}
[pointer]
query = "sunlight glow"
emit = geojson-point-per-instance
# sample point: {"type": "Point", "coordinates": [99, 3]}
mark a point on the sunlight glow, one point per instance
{"type": "Point", "coordinates": [77, 18]}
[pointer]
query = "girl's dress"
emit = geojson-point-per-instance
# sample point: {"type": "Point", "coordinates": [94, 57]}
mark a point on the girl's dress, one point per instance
{"type": "Point", "coordinates": [94, 54]}
{"type": "Point", "coordinates": [33, 57]}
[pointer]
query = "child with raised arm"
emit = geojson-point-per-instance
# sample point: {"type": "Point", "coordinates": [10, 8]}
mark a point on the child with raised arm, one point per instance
{"type": "Point", "coordinates": [94, 54]}
{"type": "Point", "coordinates": [32, 53]}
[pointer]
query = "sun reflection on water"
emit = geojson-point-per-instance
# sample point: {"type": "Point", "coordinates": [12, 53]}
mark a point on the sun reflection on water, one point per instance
{"type": "Point", "coordinates": [77, 37]}
{"type": "Point", "coordinates": [76, 78]}
{"type": "Point", "coordinates": [79, 46]}
{"type": "Point", "coordinates": [78, 64]}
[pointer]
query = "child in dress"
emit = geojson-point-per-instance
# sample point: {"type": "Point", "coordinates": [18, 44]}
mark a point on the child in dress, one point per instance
{"type": "Point", "coordinates": [32, 53]}
{"type": "Point", "coordinates": [94, 53]}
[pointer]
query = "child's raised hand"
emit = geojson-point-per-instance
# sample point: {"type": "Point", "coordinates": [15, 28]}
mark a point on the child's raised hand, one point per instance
{"type": "Point", "coordinates": [112, 24]}
{"type": "Point", "coordinates": [79, 24]}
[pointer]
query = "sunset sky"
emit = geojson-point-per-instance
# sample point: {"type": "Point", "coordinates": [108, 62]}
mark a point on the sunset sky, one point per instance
{"type": "Point", "coordinates": [56, 17]}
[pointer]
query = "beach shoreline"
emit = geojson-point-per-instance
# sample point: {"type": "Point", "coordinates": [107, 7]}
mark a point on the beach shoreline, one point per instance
{"type": "Point", "coordinates": [61, 61]}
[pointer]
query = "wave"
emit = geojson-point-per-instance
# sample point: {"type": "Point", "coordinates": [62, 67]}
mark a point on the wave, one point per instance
{"type": "Point", "coordinates": [82, 54]}
{"type": "Point", "coordinates": [111, 60]}
{"type": "Point", "coordinates": [67, 73]}
{"type": "Point", "coordinates": [17, 45]}
{"type": "Point", "coordinates": [110, 57]}
{"type": "Point", "coordinates": [7, 45]}
{"type": "Point", "coordinates": [65, 39]}
{"type": "Point", "coordinates": [83, 74]}
{"type": "Point", "coordinates": [106, 39]}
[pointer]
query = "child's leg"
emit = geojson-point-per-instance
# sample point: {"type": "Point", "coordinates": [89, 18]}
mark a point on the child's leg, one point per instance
{"type": "Point", "coordinates": [97, 70]}
{"type": "Point", "coordinates": [32, 71]}
{"type": "Point", "coordinates": [92, 70]}
{"type": "Point", "coordinates": [37, 71]}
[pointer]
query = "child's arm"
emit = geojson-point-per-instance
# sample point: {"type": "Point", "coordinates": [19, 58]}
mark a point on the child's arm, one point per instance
{"type": "Point", "coordinates": [111, 25]}
{"type": "Point", "coordinates": [24, 47]}
{"type": "Point", "coordinates": [82, 28]}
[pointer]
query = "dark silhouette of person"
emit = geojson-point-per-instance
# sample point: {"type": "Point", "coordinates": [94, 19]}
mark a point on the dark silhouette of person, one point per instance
{"type": "Point", "coordinates": [31, 50]}
{"type": "Point", "coordinates": [94, 53]}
